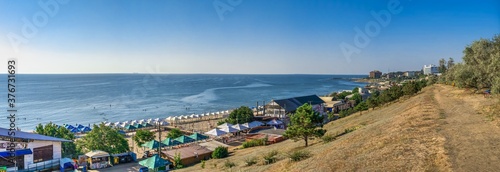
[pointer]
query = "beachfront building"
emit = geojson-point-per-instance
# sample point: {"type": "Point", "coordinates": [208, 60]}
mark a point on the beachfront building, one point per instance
{"type": "Point", "coordinates": [34, 152]}
{"type": "Point", "coordinates": [334, 105]}
{"type": "Point", "coordinates": [189, 155]}
{"type": "Point", "coordinates": [430, 70]}
{"type": "Point", "coordinates": [280, 108]}
{"type": "Point", "coordinates": [375, 74]}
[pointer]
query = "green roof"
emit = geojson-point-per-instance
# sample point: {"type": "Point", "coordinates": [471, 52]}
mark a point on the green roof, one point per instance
{"type": "Point", "coordinates": [184, 139]}
{"type": "Point", "coordinates": [198, 136]}
{"type": "Point", "coordinates": [153, 144]}
{"type": "Point", "coordinates": [170, 142]}
{"type": "Point", "coordinates": [154, 162]}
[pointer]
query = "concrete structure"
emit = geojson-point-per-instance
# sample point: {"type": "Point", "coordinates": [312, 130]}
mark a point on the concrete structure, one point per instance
{"type": "Point", "coordinates": [33, 151]}
{"type": "Point", "coordinates": [335, 106]}
{"type": "Point", "coordinates": [430, 70]}
{"type": "Point", "coordinates": [375, 74]}
{"type": "Point", "coordinates": [409, 74]}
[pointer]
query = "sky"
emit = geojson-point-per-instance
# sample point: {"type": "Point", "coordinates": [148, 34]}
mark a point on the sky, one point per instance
{"type": "Point", "coordinates": [240, 36]}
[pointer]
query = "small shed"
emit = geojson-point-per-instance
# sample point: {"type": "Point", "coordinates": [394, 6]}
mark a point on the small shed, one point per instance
{"type": "Point", "coordinates": [190, 155]}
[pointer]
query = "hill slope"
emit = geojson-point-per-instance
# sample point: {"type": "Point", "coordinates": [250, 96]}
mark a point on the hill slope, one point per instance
{"type": "Point", "coordinates": [440, 129]}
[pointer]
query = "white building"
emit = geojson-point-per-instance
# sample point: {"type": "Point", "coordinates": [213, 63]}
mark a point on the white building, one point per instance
{"type": "Point", "coordinates": [410, 74]}
{"type": "Point", "coordinates": [33, 151]}
{"type": "Point", "coordinates": [431, 69]}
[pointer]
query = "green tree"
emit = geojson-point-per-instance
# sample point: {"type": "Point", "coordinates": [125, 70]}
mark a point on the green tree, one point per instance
{"type": "Point", "coordinates": [372, 102]}
{"type": "Point", "coordinates": [343, 94]}
{"type": "Point", "coordinates": [142, 136]}
{"type": "Point", "coordinates": [357, 97]}
{"type": "Point", "coordinates": [220, 152]}
{"type": "Point", "coordinates": [68, 148]}
{"type": "Point", "coordinates": [355, 90]}
{"type": "Point", "coordinates": [450, 63]}
{"type": "Point", "coordinates": [177, 160]}
{"type": "Point", "coordinates": [240, 115]}
{"type": "Point", "coordinates": [361, 107]}
{"type": "Point", "coordinates": [174, 133]}
{"type": "Point", "coordinates": [410, 88]}
{"type": "Point", "coordinates": [442, 65]}
{"type": "Point", "coordinates": [305, 124]}
{"type": "Point", "coordinates": [103, 138]}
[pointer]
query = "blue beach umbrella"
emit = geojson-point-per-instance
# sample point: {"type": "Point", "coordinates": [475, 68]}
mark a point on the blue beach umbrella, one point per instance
{"type": "Point", "coordinates": [69, 127]}
{"type": "Point", "coordinates": [86, 129]}
{"type": "Point", "coordinates": [74, 130]}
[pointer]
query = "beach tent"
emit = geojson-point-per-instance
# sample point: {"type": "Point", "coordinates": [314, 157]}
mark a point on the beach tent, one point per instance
{"type": "Point", "coordinates": [198, 136]}
{"type": "Point", "coordinates": [153, 144]}
{"type": "Point", "coordinates": [170, 142]}
{"type": "Point", "coordinates": [216, 132]}
{"type": "Point", "coordinates": [253, 124]}
{"type": "Point", "coordinates": [229, 129]}
{"type": "Point", "coordinates": [117, 123]}
{"type": "Point", "coordinates": [239, 127]}
{"type": "Point", "coordinates": [155, 162]}
{"type": "Point", "coordinates": [225, 125]}
{"type": "Point", "coordinates": [69, 127]}
{"type": "Point", "coordinates": [107, 123]}
{"type": "Point", "coordinates": [149, 120]}
{"type": "Point", "coordinates": [80, 126]}
{"type": "Point", "coordinates": [141, 121]}
{"type": "Point", "coordinates": [130, 127]}
{"type": "Point", "coordinates": [86, 129]}
{"type": "Point", "coordinates": [133, 123]}
{"type": "Point", "coordinates": [274, 122]}
{"type": "Point", "coordinates": [97, 154]}
{"type": "Point", "coordinates": [138, 126]}
{"type": "Point", "coordinates": [74, 130]}
{"type": "Point", "coordinates": [184, 139]}
{"type": "Point", "coordinates": [146, 125]}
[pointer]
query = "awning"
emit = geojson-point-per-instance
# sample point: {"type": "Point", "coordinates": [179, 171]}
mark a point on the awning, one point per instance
{"type": "Point", "coordinates": [19, 152]}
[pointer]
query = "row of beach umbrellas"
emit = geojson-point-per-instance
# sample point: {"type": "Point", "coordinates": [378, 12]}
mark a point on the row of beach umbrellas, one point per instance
{"type": "Point", "coordinates": [230, 128]}
{"type": "Point", "coordinates": [78, 128]}
{"type": "Point", "coordinates": [166, 121]}
{"type": "Point", "coordinates": [153, 144]}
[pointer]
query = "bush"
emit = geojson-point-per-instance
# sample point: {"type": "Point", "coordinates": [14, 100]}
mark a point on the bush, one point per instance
{"type": "Point", "coordinates": [328, 138]}
{"type": "Point", "coordinates": [220, 152]}
{"type": "Point", "coordinates": [270, 157]}
{"type": "Point", "coordinates": [254, 142]}
{"type": "Point", "coordinates": [251, 161]}
{"type": "Point", "coordinates": [203, 164]}
{"type": "Point", "coordinates": [229, 164]}
{"type": "Point", "coordinates": [299, 155]}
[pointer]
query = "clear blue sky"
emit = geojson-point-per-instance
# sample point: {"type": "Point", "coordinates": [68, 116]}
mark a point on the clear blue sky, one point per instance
{"type": "Point", "coordinates": [257, 36]}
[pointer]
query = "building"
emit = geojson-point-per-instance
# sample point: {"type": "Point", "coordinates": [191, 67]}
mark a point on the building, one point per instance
{"type": "Point", "coordinates": [279, 108]}
{"type": "Point", "coordinates": [375, 74]}
{"type": "Point", "coordinates": [430, 70]}
{"type": "Point", "coordinates": [409, 74]}
{"type": "Point", "coordinates": [33, 151]}
{"type": "Point", "coordinates": [189, 155]}
{"type": "Point", "coordinates": [363, 92]}
{"type": "Point", "coordinates": [335, 106]}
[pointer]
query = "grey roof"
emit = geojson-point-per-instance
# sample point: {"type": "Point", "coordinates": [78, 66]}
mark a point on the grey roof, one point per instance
{"type": "Point", "coordinates": [24, 135]}
{"type": "Point", "coordinates": [291, 104]}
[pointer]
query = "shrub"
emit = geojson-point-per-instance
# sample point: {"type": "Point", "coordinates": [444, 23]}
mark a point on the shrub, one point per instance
{"type": "Point", "coordinates": [251, 161]}
{"type": "Point", "coordinates": [229, 164]}
{"type": "Point", "coordinates": [203, 164]}
{"type": "Point", "coordinates": [177, 161]}
{"type": "Point", "coordinates": [220, 152]}
{"type": "Point", "coordinates": [328, 138]}
{"type": "Point", "coordinates": [270, 157]}
{"type": "Point", "coordinates": [254, 142]}
{"type": "Point", "coordinates": [299, 155]}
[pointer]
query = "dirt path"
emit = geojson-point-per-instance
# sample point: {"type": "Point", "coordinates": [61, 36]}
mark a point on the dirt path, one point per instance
{"type": "Point", "coordinates": [472, 142]}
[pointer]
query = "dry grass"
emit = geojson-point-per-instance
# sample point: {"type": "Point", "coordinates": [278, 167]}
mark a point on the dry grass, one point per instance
{"type": "Point", "coordinates": [408, 135]}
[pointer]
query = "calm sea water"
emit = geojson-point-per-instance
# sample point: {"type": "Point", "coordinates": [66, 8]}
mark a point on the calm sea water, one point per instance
{"type": "Point", "coordinates": [93, 98]}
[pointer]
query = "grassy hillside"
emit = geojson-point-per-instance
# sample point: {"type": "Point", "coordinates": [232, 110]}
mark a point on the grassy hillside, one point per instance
{"type": "Point", "coordinates": [422, 133]}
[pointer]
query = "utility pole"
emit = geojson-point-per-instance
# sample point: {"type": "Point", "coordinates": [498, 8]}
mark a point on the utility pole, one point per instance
{"type": "Point", "coordinates": [159, 138]}
{"type": "Point", "coordinates": [257, 108]}
{"type": "Point", "coordinates": [264, 108]}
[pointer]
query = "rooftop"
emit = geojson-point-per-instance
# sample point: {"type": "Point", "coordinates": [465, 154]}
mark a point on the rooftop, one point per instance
{"type": "Point", "coordinates": [188, 152]}
{"type": "Point", "coordinates": [30, 136]}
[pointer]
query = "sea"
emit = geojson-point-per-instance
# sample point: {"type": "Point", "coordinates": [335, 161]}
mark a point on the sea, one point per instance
{"type": "Point", "coordinates": [95, 98]}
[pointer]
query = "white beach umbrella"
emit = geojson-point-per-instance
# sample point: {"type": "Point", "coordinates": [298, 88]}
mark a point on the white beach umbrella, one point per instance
{"type": "Point", "coordinates": [225, 125]}
{"type": "Point", "coordinates": [149, 120]}
{"type": "Point", "coordinates": [117, 123]}
{"type": "Point", "coordinates": [168, 118]}
{"type": "Point", "coordinates": [133, 122]}
{"type": "Point", "coordinates": [141, 121]}
{"type": "Point", "coordinates": [107, 124]}
{"type": "Point", "coordinates": [125, 122]}
{"type": "Point", "coordinates": [239, 127]}
{"type": "Point", "coordinates": [216, 132]}
{"type": "Point", "coordinates": [229, 129]}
